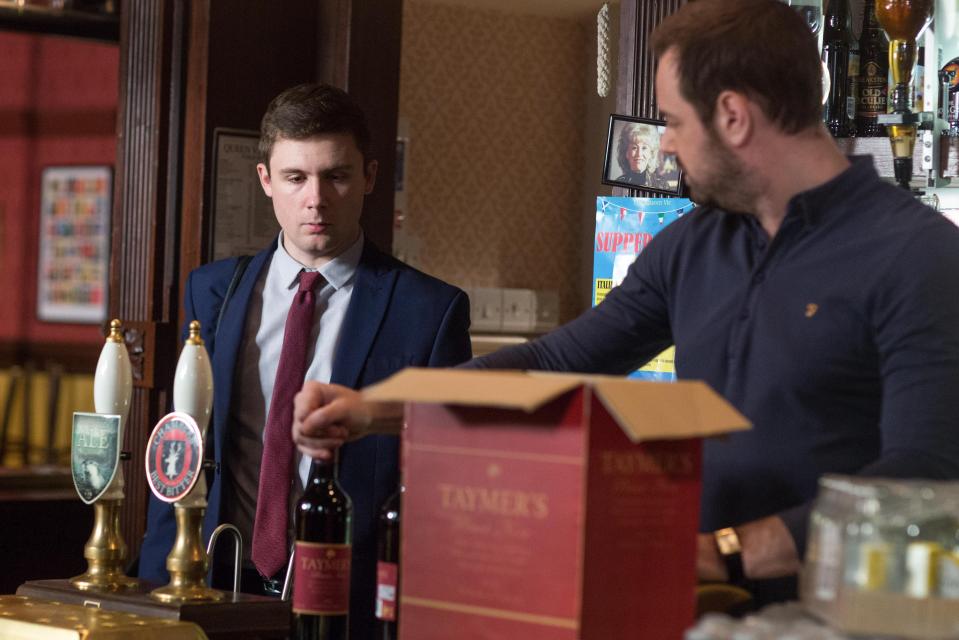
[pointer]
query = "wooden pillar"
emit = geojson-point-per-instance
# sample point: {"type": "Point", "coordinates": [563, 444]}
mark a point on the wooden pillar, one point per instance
{"type": "Point", "coordinates": [360, 53]}
{"type": "Point", "coordinates": [142, 264]}
{"type": "Point", "coordinates": [637, 66]}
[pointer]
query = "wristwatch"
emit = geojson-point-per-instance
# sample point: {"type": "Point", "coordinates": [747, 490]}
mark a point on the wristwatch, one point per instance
{"type": "Point", "coordinates": [731, 552]}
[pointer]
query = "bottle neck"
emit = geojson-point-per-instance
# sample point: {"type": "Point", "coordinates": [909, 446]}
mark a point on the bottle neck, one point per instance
{"type": "Point", "coordinates": [323, 471]}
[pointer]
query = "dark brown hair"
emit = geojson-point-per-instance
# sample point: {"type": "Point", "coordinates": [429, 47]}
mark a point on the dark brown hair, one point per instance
{"type": "Point", "coordinates": [761, 48]}
{"type": "Point", "coordinates": [308, 110]}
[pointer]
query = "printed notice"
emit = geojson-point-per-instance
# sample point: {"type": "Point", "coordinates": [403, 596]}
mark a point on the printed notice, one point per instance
{"type": "Point", "coordinates": [243, 220]}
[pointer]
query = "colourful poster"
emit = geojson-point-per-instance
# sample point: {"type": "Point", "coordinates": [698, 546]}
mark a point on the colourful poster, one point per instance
{"type": "Point", "coordinates": [624, 226]}
{"type": "Point", "coordinates": [74, 244]}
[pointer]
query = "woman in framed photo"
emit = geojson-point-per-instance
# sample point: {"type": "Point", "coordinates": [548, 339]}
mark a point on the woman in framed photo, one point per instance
{"type": "Point", "coordinates": [638, 156]}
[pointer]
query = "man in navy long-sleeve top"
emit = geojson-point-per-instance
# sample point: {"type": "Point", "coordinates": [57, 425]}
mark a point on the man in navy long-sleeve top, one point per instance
{"type": "Point", "coordinates": [819, 300]}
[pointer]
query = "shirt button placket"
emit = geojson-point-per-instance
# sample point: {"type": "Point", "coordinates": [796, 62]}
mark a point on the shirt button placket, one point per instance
{"type": "Point", "coordinates": [740, 333]}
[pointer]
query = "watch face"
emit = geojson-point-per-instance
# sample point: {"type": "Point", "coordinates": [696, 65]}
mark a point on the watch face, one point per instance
{"type": "Point", "coordinates": [174, 457]}
{"type": "Point", "coordinates": [728, 541]}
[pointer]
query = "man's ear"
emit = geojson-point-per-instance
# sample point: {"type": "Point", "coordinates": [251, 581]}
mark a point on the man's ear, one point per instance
{"type": "Point", "coordinates": [733, 119]}
{"type": "Point", "coordinates": [264, 173]}
{"type": "Point", "coordinates": [370, 175]}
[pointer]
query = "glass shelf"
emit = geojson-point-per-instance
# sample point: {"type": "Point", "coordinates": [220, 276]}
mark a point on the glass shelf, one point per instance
{"type": "Point", "coordinates": [881, 152]}
{"type": "Point", "coordinates": [30, 18]}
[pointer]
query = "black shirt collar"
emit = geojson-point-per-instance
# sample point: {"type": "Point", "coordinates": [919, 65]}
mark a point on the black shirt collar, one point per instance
{"type": "Point", "coordinates": [813, 204]}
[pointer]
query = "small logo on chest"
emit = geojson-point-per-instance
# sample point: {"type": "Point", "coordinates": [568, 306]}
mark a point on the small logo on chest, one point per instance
{"type": "Point", "coordinates": [811, 309]}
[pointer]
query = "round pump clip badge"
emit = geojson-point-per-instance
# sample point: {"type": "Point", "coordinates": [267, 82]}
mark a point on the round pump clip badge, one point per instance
{"type": "Point", "coordinates": [174, 456]}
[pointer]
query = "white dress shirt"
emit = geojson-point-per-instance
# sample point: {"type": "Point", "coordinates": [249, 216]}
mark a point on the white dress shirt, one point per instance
{"type": "Point", "coordinates": [257, 364]}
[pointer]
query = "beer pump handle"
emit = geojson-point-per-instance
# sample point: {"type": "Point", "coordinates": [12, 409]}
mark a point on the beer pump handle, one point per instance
{"type": "Point", "coordinates": [193, 395]}
{"type": "Point", "coordinates": [112, 390]}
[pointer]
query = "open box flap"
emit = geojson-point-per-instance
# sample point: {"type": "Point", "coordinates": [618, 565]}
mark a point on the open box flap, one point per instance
{"type": "Point", "coordinates": [644, 410]}
{"type": "Point", "coordinates": [667, 410]}
{"type": "Point", "coordinates": [503, 389]}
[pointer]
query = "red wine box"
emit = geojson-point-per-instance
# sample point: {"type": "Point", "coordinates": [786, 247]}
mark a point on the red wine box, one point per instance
{"type": "Point", "coordinates": [549, 506]}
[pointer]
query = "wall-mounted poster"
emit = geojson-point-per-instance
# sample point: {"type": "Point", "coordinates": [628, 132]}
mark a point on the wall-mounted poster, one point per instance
{"type": "Point", "coordinates": [74, 244]}
{"type": "Point", "coordinates": [243, 220]}
{"type": "Point", "coordinates": [624, 226]}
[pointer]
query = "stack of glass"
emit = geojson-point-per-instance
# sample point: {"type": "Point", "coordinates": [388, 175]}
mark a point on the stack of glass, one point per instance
{"type": "Point", "coordinates": [885, 552]}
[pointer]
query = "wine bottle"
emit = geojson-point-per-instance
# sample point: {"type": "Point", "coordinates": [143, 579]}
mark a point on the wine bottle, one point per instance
{"type": "Point", "coordinates": [388, 568]}
{"type": "Point", "coordinates": [873, 75]}
{"type": "Point", "coordinates": [321, 573]}
{"type": "Point", "coordinates": [835, 53]}
{"type": "Point", "coordinates": [853, 90]}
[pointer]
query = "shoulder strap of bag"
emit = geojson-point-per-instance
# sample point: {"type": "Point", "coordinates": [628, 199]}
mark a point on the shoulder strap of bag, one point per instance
{"type": "Point", "coordinates": [241, 265]}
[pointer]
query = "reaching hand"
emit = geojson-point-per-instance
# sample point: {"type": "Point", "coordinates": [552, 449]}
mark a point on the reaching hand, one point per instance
{"type": "Point", "coordinates": [325, 416]}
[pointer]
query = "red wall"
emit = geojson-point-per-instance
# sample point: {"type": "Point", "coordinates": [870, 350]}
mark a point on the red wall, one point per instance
{"type": "Point", "coordinates": [58, 105]}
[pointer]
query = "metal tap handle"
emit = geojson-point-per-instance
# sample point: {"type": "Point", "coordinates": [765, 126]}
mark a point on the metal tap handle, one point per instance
{"type": "Point", "coordinates": [288, 583]}
{"type": "Point", "coordinates": [238, 550]}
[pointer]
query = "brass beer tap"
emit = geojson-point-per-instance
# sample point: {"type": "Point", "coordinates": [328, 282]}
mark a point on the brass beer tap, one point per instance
{"type": "Point", "coordinates": [175, 452]}
{"type": "Point", "coordinates": [105, 551]}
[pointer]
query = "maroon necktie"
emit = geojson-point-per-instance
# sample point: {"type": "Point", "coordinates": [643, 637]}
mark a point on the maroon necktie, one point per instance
{"type": "Point", "coordinates": [276, 469]}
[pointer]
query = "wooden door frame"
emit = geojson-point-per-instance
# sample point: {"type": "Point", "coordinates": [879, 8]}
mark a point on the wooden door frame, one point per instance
{"type": "Point", "coordinates": [161, 193]}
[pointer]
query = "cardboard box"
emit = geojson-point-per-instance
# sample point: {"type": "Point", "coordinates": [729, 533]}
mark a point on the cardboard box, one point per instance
{"type": "Point", "coordinates": [547, 507]}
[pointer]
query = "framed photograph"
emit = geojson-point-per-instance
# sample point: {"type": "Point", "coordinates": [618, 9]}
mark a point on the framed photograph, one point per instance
{"type": "Point", "coordinates": [634, 159]}
{"type": "Point", "coordinates": [74, 244]}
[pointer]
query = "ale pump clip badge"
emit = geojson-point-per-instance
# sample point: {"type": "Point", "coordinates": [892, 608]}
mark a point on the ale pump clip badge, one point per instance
{"type": "Point", "coordinates": [95, 453]}
{"type": "Point", "coordinates": [174, 456]}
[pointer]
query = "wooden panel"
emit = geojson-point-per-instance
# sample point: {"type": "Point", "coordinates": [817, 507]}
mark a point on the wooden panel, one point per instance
{"type": "Point", "coordinates": [635, 90]}
{"type": "Point", "coordinates": [374, 80]}
{"type": "Point", "coordinates": [51, 526]}
{"type": "Point", "coordinates": [238, 61]}
{"type": "Point", "coordinates": [333, 35]}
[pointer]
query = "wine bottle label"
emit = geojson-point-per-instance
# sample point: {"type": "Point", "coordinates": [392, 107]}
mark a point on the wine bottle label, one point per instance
{"type": "Point", "coordinates": [386, 581]}
{"type": "Point", "coordinates": [872, 90]}
{"type": "Point", "coordinates": [321, 578]}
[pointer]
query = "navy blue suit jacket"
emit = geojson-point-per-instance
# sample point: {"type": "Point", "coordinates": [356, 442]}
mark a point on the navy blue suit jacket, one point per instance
{"type": "Point", "coordinates": [397, 317]}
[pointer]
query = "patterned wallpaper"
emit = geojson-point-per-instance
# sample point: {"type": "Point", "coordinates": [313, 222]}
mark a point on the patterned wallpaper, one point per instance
{"type": "Point", "coordinates": [495, 105]}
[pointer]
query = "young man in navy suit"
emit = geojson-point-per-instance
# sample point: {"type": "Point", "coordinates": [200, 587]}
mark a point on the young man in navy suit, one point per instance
{"type": "Point", "coordinates": [373, 316]}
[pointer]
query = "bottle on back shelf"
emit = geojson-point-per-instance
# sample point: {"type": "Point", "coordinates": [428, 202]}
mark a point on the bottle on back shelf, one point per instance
{"type": "Point", "coordinates": [835, 55]}
{"type": "Point", "coordinates": [388, 568]}
{"type": "Point", "coordinates": [949, 97]}
{"type": "Point", "coordinates": [321, 573]}
{"type": "Point", "coordinates": [919, 81]}
{"type": "Point", "coordinates": [856, 10]}
{"type": "Point", "coordinates": [873, 75]}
